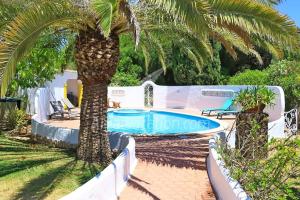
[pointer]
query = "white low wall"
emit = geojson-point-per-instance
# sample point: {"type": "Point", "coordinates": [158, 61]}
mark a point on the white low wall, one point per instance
{"type": "Point", "coordinates": [53, 133]}
{"type": "Point", "coordinates": [194, 97]}
{"type": "Point", "coordinates": [109, 183]}
{"type": "Point", "coordinates": [224, 186]}
{"type": "Point", "coordinates": [202, 97]}
{"type": "Point", "coordinates": [129, 97]}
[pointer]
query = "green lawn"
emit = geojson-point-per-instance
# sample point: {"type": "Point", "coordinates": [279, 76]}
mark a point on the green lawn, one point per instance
{"type": "Point", "coordinates": [33, 171]}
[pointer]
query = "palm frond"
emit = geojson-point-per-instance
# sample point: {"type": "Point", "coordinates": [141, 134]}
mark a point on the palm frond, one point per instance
{"type": "Point", "coordinates": [198, 49]}
{"type": "Point", "coordinates": [255, 18]}
{"type": "Point", "coordinates": [21, 34]}
{"type": "Point", "coordinates": [150, 41]}
{"type": "Point", "coordinates": [273, 49]}
{"type": "Point", "coordinates": [7, 12]}
{"type": "Point", "coordinates": [105, 10]}
{"type": "Point", "coordinates": [129, 14]}
{"type": "Point", "coordinates": [195, 58]}
{"type": "Point", "coordinates": [147, 57]}
{"type": "Point", "coordinates": [236, 42]}
{"type": "Point", "coordinates": [270, 2]}
{"type": "Point", "coordinates": [189, 12]}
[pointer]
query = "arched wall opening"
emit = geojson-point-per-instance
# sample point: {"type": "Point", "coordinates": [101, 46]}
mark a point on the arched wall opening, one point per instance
{"type": "Point", "coordinates": [148, 94]}
{"type": "Point", "coordinates": [73, 91]}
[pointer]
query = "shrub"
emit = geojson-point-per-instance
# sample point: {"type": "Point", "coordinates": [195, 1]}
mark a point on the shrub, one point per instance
{"type": "Point", "coordinates": [283, 73]}
{"type": "Point", "coordinates": [130, 70]}
{"type": "Point", "coordinates": [255, 98]}
{"type": "Point", "coordinates": [249, 77]}
{"type": "Point", "coordinates": [287, 75]}
{"type": "Point", "coordinates": [17, 119]}
{"type": "Point", "coordinates": [274, 177]}
{"type": "Point", "coordinates": [124, 79]}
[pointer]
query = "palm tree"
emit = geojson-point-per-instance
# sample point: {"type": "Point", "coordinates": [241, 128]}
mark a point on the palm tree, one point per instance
{"type": "Point", "coordinates": [98, 24]}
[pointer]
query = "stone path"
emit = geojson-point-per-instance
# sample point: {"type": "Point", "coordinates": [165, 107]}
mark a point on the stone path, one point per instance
{"type": "Point", "coordinates": [170, 168]}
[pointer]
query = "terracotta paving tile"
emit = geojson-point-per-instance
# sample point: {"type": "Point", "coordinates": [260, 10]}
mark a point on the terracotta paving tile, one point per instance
{"type": "Point", "coordinates": [170, 168]}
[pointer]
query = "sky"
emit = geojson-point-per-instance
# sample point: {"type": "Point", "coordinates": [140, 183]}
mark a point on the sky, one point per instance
{"type": "Point", "coordinates": [292, 9]}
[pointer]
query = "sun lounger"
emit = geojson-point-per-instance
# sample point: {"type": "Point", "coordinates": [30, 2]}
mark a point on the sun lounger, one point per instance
{"type": "Point", "coordinates": [58, 109]}
{"type": "Point", "coordinates": [70, 107]}
{"type": "Point", "coordinates": [226, 112]}
{"type": "Point", "coordinates": [226, 107]}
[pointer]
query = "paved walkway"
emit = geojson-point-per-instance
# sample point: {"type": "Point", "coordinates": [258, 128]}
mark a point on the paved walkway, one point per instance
{"type": "Point", "coordinates": [170, 169]}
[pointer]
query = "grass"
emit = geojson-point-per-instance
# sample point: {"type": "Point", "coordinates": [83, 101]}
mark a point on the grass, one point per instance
{"type": "Point", "coordinates": [295, 182]}
{"type": "Point", "coordinates": [33, 171]}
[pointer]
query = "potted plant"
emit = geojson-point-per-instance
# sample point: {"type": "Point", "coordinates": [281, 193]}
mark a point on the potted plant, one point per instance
{"type": "Point", "coordinates": [252, 122]}
{"type": "Point", "coordinates": [255, 99]}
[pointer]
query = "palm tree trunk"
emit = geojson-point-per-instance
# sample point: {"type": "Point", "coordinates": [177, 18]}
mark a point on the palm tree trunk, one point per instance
{"type": "Point", "coordinates": [97, 58]}
{"type": "Point", "coordinates": [93, 142]}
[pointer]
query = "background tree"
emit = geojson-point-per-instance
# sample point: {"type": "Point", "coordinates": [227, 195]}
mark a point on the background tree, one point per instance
{"type": "Point", "coordinates": [283, 73]}
{"type": "Point", "coordinates": [46, 59]}
{"type": "Point", "coordinates": [130, 70]}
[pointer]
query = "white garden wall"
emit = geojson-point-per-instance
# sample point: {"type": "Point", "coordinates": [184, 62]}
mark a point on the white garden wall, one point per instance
{"type": "Point", "coordinates": [175, 97]}
{"type": "Point", "coordinates": [129, 97]}
{"type": "Point", "coordinates": [108, 184]}
{"type": "Point", "coordinates": [201, 97]}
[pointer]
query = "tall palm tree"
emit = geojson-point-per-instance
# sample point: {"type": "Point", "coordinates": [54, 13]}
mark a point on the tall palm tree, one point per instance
{"type": "Point", "coordinates": [98, 24]}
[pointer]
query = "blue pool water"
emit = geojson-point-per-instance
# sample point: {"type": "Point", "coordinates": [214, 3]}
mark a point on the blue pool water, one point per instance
{"type": "Point", "coordinates": [156, 122]}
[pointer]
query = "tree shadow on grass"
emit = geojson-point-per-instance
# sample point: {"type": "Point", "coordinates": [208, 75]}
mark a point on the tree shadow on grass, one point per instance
{"type": "Point", "coordinates": [18, 149]}
{"type": "Point", "coordinates": [88, 170]}
{"type": "Point", "coordinates": [14, 167]}
{"type": "Point", "coordinates": [177, 152]}
{"type": "Point", "coordinates": [43, 185]}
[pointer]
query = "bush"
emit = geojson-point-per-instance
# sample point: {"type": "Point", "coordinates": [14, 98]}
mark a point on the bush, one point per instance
{"type": "Point", "coordinates": [249, 77]}
{"type": "Point", "coordinates": [17, 119]}
{"type": "Point", "coordinates": [283, 73]}
{"type": "Point", "coordinates": [275, 177]}
{"type": "Point", "coordinates": [287, 75]}
{"type": "Point", "coordinates": [124, 79]}
{"type": "Point", "coordinates": [129, 70]}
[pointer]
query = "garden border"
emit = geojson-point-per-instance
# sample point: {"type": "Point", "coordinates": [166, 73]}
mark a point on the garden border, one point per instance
{"type": "Point", "coordinates": [225, 187]}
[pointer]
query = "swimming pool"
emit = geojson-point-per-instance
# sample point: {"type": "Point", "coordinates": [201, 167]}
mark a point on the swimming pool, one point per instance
{"type": "Point", "coordinates": [142, 122]}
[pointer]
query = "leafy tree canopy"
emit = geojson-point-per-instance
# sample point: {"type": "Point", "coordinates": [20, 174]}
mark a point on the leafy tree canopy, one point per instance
{"type": "Point", "coordinates": [283, 73]}
{"type": "Point", "coordinates": [48, 57]}
{"type": "Point", "coordinates": [130, 69]}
